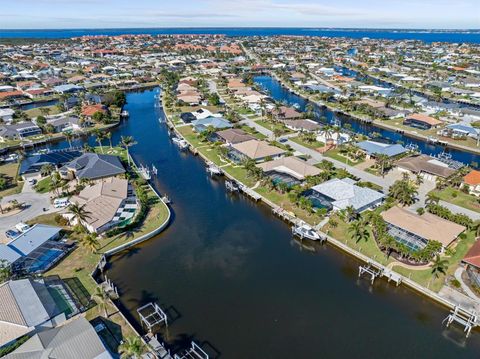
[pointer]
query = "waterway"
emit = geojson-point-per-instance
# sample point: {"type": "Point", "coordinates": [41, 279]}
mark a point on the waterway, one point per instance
{"type": "Point", "coordinates": [472, 36]}
{"type": "Point", "coordinates": [231, 277]}
{"type": "Point", "coordinates": [280, 93]}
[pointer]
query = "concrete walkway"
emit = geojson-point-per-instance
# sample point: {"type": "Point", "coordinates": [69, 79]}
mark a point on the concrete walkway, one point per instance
{"type": "Point", "coordinates": [465, 288]}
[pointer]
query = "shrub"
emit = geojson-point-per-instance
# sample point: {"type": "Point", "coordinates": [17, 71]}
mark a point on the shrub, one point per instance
{"type": "Point", "coordinates": [60, 220]}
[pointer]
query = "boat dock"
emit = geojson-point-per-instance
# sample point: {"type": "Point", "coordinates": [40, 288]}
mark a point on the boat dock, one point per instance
{"type": "Point", "coordinates": [373, 271]}
{"type": "Point", "coordinates": [250, 193]}
{"type": "Point", "coordinates": [151, 316]}
{"type": "Point", "coordinates": [194, 352]}
{"type": "Point", "coordinates": [462, 317]}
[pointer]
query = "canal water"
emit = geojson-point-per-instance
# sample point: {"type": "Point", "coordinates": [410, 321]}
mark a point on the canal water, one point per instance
{"type": "Point", "coordinates": [231, 277]}
{"type": "Point", "coordinates": [280, 93]}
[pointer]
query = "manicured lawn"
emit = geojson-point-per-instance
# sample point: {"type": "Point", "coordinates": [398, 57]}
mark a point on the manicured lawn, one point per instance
{"type": "Point", "coordinates": [335, 154]}
{"type": "Point", "coordinates": [369, 248]}
{"type": "Point", "coordinates": [240, 173]}
{"type": "Point", "coordinates": [271, 126]}
{"type": "Point", "coordinates": [34, 112]}
{"type": "Point", "coordinates": [43, 186]}
{"type": "Point", "coordinates": [9, 172]}
{"type": "Point", "coordinates": [253, 132]}
{"type": "Point", "coordinates": [312, 145]}
{"type": "Point", "coordinates": [190, 136]}
{"type": "Point", "coordinates": [459, 198]}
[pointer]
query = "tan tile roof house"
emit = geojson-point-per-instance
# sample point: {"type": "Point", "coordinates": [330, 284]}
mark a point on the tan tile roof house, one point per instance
{"type": "Point", "coordinates": [426, 226]}
{"type": "Point", "coordinates": [257, 150]}
{"type": "Point", "coordinates": [234, 135]}
{"type": "Point", "coordinates": [111, 202]}
{"type": "Point", "coordinates": [425, 164]}
{"type": "Point", "coordinates": [291, 166]}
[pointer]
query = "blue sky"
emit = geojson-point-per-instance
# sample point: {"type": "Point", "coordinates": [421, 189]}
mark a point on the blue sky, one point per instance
{"type": "Point", "coordinates": [209, 13]}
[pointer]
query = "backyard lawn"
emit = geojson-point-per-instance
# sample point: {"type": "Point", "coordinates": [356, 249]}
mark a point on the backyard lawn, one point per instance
{"type": "Point", "coordinates": [312, 145]}
{"type": "Point", "coordinates": [459, 198]}
{"type": "Point", "coordinates": [9, 172]}
{"type": "Point", "coordinates": [336, 155]}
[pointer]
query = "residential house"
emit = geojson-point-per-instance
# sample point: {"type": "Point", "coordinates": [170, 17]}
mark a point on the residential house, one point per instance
{"type": "Point", "coordinates": [302, 125]}
{"type": "Point", "coordinates": [111, 203]}
{"type": "Point", "coordinates": [415, 231]}
{"type": "Point", "coordinates": [73, 340]}
{"type": "Point", "coordinates": [374, 149]}
{"type": "Point", "coordinates": [290, 170]}
{"type": "Point", "coordinates": [217, 123]}
{"type": "Point", "coordinates": [6, 115]}
{"type": "Point", "coordinates": [472, 263]}
{"type": "Point", "coordinates": [32, 164]}
{"type": "Point", "coordinates": [255, 150]}
{"type": "Point", "coordinates": [19, 131]}
{"type": "Point", "coordinates": [425, 166]}
{"type": "Point", "coordinates": [92, 166]}
{"type": "Point", "coordinates": [233, 135]}
{"type": "Point", "coordinates": [338, 194]}
{"type": "Point", "coordinates": [472, 180]}
{"type": "Point", "coordinates": [421, 121]}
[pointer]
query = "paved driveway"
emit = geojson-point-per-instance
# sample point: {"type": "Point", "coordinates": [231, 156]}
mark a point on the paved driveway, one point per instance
{"type": "Point", "coordinates": [35, 203]}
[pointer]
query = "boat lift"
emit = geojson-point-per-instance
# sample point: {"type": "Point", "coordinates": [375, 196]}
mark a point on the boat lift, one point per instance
{"type": "Point", "coordinates": [370, 271]}
{"type": "Point", "coordinates": [194, 352]}
{"type": "Point", "coordinates": [462, 317]}
{"type": "Point", "coordinates": [152, 315]}
{"type": "Point", "coordinates": [232, 186]}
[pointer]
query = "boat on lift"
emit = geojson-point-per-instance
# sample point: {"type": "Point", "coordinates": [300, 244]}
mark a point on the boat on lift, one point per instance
{"type": "Point", "coordinates": [214, 170]}
{"type": "Point", "coordinates": [305, 231]}
{"type": "Point", "coordinates": [145, 172]}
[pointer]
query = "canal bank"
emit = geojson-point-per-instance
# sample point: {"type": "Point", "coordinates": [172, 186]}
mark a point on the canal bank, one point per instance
{"type": "Point", "coordinates": [233, 273]}
{"type": "Point", "coordinates": [280, 92]}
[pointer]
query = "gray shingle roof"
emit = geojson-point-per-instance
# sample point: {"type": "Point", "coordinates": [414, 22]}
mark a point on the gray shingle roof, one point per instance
{"type": "Point", "coordinates": [94, 165]}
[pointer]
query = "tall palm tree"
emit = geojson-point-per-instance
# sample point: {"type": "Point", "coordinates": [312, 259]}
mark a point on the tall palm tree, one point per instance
{"type": "Point", "coordinates": [358, 231]}
{"type": "Point", "coordinates": [100, 296]}
{"type": "Point", "coordinates": [383, 162]}
{"type": "Point", "coordinates": [99, 136]}
{"type": "Point", "coordinates": [79, 213]}
{"type": "Point", "coordinates": [47, 169]}
{"type": "Point", "coordinates": [127, 142]}
{"type": "Point", "coordinates": [439, 266]}
{"type": "Point", "coordinates": [108, 136]}
{"type": "Point", "coordinates": [69, 137]}
{"type": "Point", "coordinates": [90, 242]}
{"type": "Point", "coordinates": [132, 347]}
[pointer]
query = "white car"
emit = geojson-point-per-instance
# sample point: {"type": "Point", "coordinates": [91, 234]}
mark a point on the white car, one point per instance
{"type": "Point", "coordinates": [61, 203]}
{"type": "Point", "coordinates": [22, 227]}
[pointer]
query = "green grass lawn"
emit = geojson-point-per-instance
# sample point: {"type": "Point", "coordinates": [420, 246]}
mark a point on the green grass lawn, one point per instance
{"type": "Point", "coordinates": [34, 112]}
{"type": "Point", "coordinates": [335, 154]}
{"type": "Point", "coordinates": [190, 136]}
{"type": "Point", "coordinates": [9, 171]}
{"type": "Point", "coordinates": [312, 145]}
{"type": "Point", "coordinates": [457, 197]}
{"type": "Point", "coordinates": [240, 173]}
{"type": "Point", "coordinates": [253, 132]}
{"type": "Point", "coordinates": [43, 186]}
{"type": "Point", "coordinates": [272, 125]}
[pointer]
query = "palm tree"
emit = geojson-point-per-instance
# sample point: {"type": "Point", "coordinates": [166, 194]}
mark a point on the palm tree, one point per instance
{"type": "Point", "coordinates": [439, 266]}
{"type": "Point", "coordinates": [90, 242]}
{"type": "Point", "coordinates": [69, 137]}
{"type": "Point", "coordinates": [132, 347]}
{"type": "Point", "coordinates": [79, 213]}
{"type": "Point", "coordinates": [358, 231]}
{"type": "Point", "coordinates": [127, 142]}
{"type": "Point", "coordinates": [108, 136]}
{"type": "Point", "coordinates": [47, 169]}
{"type": "Point", "coordinates": [100, 296]}
{"type": "Point", "coordinates": [383, 162]}
{"type": "Point", "coordinates": [99, 137]}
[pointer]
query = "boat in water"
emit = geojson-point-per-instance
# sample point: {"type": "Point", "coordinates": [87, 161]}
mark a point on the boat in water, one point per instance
{"type": "Point", "coordinates": [124, 114]}
{"type": "Point", "coordinates": [214, 170]}
{"type": "Point", "coordinates": [180, 142]}
{"type": "Point", "coordinates": [305, 231]}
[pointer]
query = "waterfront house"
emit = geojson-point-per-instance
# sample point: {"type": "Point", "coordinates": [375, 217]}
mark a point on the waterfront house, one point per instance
{"type": "Point", "coordinates": [31, 165]}
{"type": "Point", "coordinates": [67, 123]}
{"type": "Point", "coordinates": [472, 180]}
{"type": "Point", "coordinates": [374, 149]}
{"type": "Point", "coordinates": [460, 130]}
{"type": "Point", "coordinates": [92, 166]}
{"type": "Point", "coordinates": [426, 166]}
{"type": "Point", "coordinates": [286, 113]}
{"type": "Point", "coordinates": [256, 150]}
{"type": "Point", "coordinates": [64, 89]}
{"type": "Point", "coordinates": [414, 230]}
{"type": "Point", "coordinates": [217, 123]}
{"type": "Point", "coordinates": [338, 194]}
{"type": "Point", "coordinates": [421, 121]}
{"type": "Point", "coordinates": [73, 340]}
{"type": "Point", "coordinates": [472, 263]}
{"type": "Point", "coordinates": [6, 115]}
{"type": "Point", "coordinates": [27, 307]}
{"type": "Point", "coordinates": [90, 110]}
{"type": "Point", "coordinates": [111, 203]}
{"type": "Point", "coordinates": [302, 125]}
{"type": "Point", "coordinates": [233, 135]}
{"type": "Point", "coordinates": [35, 250]}
{"type": "Point", "coordinates": [290, 170]}
{"type": "Point", "coordinates": [19, 131]}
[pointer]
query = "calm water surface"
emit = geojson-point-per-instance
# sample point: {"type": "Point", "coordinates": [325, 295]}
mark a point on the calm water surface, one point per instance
{"type": "Point", "coordinates": [231, 277]}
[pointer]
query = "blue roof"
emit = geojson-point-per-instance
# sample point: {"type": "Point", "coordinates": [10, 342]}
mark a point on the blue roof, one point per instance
{"type": "Point", "coordinates": [379, 148]}
{"type": "Point", "coordinates": [463, 127]}
{"type": "Point", "coordinates": [33, 238]}
{"type": "Point", "coordinates": [216, 122]}
{"type": "Point", "coordinates": [8, 254]}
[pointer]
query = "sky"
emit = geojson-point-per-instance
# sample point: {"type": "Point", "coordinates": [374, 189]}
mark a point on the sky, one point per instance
{"type": "Point", "coordinates": [51, 14]}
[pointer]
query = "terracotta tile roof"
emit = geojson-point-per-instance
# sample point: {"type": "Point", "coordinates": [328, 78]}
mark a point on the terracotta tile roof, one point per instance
{"type": "Point", "coordinates": [424, 118]}
{"type": "Point", "coordinates": [473, 255]}
{"type": "Point", "coordinates": [473, 178]}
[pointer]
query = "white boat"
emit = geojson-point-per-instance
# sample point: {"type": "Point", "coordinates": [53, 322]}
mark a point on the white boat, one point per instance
{"type": "Point", "coordinates": [214, 170]}
{"type": "Point", "coordinates": [180, 142]}
{"type": "Point", "coordinates": [305, 231]}
{"type": "Point", "coordinates": [124, 113]}
{"type": "Point", "coordinates": [145, 172]}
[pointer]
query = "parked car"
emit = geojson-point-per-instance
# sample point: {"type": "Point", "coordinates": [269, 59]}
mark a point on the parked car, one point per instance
{"type": "Point", "coordinates": [22, 227]}
{"type": "Point", "coordinates": [11, 234]}
{"type": "Point", "coordinates": [61, 202]}
{"type": "Point", "coordinates": [32, 181]}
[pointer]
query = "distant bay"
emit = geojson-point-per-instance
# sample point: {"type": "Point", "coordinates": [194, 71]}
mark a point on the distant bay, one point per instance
{"type": "Point", "coordinates": [470, 36]}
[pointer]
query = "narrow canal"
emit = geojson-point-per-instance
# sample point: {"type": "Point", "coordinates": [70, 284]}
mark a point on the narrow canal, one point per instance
{"type": "Point", "coordinates": [279, 93]}
{"type": "Point", "coordinates": [232, 278]}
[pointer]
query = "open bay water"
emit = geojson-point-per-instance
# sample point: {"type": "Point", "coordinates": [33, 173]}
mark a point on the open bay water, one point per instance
{"type": "Point", "coordinates": [232, 278]}
{"type": "Point", "coordinates": [472, 36]}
